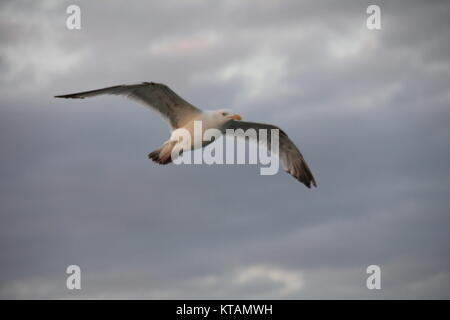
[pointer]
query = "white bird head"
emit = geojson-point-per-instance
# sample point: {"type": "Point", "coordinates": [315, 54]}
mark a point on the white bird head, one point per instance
{"type": "Point", "coordinates": [223, 115]}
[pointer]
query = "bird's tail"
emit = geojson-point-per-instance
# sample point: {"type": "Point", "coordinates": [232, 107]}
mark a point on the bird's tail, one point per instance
{"type": "Point", "coordinates": [163, 155]}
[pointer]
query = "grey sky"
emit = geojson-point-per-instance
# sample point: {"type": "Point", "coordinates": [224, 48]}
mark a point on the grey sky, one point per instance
{"type": "Point", "coordinates": [369, 110]}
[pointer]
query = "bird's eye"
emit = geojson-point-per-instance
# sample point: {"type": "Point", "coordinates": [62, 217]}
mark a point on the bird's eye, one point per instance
{"type": "Point", "coordinates": [224, 113]}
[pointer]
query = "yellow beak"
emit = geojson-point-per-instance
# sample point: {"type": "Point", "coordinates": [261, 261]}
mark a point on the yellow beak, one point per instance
{"type": "Point", "coordinates": [236, 117]}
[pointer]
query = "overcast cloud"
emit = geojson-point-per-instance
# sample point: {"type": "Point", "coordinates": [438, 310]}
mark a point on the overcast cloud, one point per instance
{"type": "Point", "coordinates": [369, 110]}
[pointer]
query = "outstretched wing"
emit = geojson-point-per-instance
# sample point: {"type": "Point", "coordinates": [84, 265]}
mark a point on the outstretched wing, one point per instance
{"type": "Point", "coordinates": [158, 96]}
{"type": "Point", "coordinates": [291, 158]}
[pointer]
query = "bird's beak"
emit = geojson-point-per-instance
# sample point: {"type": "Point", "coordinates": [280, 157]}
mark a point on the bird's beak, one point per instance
{"type": "Point", "coordinates": [236, 117]}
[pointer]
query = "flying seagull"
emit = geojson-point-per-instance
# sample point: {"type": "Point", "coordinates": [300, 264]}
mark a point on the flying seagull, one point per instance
{"type": "Point", "coordinates": [181, 114]}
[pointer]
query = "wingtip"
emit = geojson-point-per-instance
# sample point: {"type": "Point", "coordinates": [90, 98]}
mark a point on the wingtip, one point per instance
{"type": "Point", "coordinates": [309, 183]}
{"type": "Point", "coordinates": [69, 96]}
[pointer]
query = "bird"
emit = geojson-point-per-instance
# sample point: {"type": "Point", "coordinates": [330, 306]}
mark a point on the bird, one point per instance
{"type": "Point", "coordinates": [180, 114]}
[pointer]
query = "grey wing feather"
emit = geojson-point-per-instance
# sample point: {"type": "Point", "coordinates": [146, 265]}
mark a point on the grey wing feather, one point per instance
{"type": "Point", "coordinates": [158, 96]}
{"type": "Point", "coordinates": [291, 158]}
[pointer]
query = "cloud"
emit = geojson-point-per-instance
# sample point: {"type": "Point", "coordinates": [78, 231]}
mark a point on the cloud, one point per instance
{"type": "Point", "coordinates": [184, 45]}
{"type": "Point", "coordinates": [250, 281]}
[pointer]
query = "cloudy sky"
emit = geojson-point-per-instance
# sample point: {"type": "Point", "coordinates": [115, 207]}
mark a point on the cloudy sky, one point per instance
{"type": "Point", "coordinates": [369, 109]}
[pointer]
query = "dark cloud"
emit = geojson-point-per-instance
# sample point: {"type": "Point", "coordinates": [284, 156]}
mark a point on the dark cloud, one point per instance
{"type": "Point", "coordinates": [369, 110]}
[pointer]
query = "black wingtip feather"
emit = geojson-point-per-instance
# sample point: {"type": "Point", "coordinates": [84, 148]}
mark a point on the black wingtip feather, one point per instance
{"type": "Point", "coordinates": [69, 96]}
{"type": "Point", "coordinates": [304, 175]}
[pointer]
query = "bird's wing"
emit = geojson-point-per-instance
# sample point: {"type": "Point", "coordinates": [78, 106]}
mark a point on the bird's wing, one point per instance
{"type": "Point", "coordinates": [291, 158]}
{"type": "Point", "coordinates": [158, 96]}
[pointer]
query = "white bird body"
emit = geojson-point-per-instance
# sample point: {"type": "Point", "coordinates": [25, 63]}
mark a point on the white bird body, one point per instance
{"type": "Point", "coordinates": [178, 136]}
{"type": "Point", "coordinates": [182, 117]}
{"type": "Point", "coordinates": [208, 120]}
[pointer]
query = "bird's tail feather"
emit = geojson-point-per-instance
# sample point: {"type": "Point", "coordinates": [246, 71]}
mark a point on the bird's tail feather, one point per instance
{"type": "Point", "coordinates": [163, 155]}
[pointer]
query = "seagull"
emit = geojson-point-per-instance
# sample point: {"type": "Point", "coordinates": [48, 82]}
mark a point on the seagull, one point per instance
{"type": "Point", "coordinates": [181, 114]}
